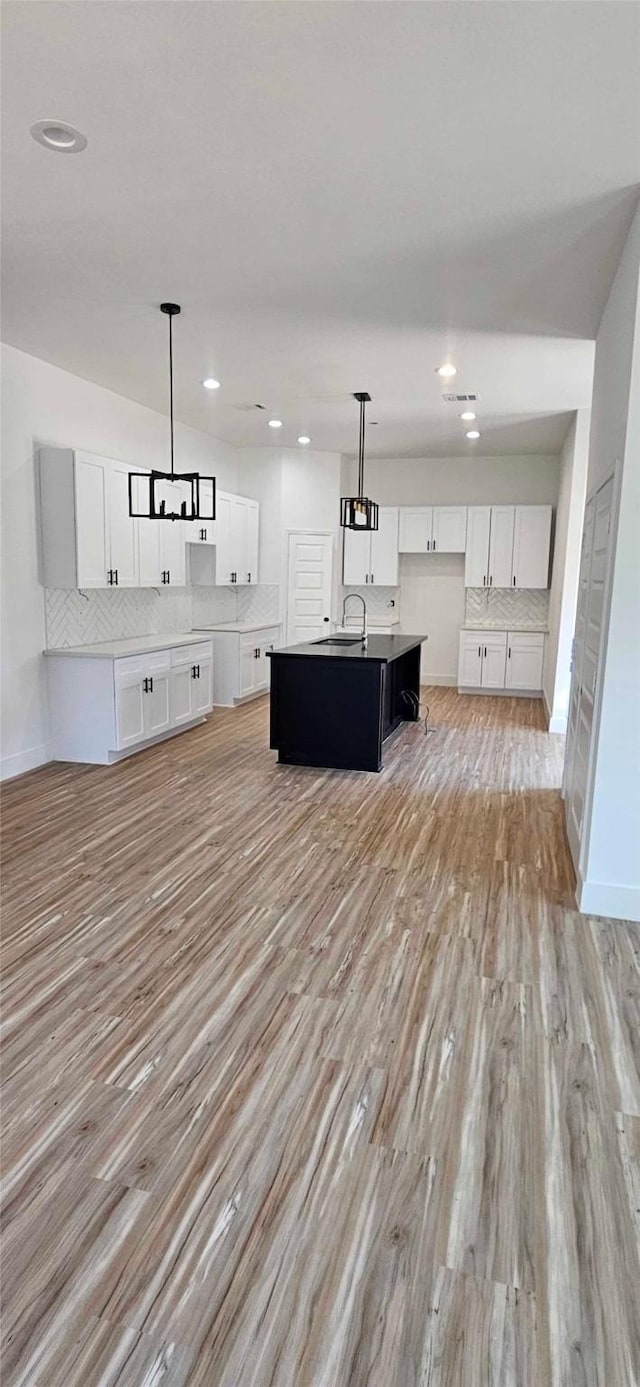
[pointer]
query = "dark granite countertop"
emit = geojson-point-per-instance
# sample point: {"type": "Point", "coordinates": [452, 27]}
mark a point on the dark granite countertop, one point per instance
{"type": "Point", "coordinates": [380, 649]}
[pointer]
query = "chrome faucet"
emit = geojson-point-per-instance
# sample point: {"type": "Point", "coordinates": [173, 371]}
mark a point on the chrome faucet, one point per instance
{"type": "Point", "coordinates": [364, 613]}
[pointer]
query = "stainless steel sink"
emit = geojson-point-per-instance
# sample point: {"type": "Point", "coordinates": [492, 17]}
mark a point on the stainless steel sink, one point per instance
{"type": "Point", "coordinates": [339, 640]}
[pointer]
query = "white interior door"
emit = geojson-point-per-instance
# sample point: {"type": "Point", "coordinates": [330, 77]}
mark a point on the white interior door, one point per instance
{"type": "Point", "coordinates": [384, 549]}
{"type": "Point", "coordinates": [309, 585]}
{"type": "Point", "coordinates": [501, 547]}
{"type": "Point", "coordinates": [594, 569]}
{"type": "Point", "coordinates": [476, 563]}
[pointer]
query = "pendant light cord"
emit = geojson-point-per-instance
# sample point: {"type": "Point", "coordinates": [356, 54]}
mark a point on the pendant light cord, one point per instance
{"type": "Point", "coordinates": [171, 386]}
{"type": "Point", "coordinates": [361, 452]}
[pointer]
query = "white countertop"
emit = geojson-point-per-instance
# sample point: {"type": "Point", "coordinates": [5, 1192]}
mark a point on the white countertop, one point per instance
{"type": "Point", "coordinates": [241, 628]}
{"type": "Point", "coordinates": [134, 645]}
{"type": "Point", "coordinates": [503, 626]}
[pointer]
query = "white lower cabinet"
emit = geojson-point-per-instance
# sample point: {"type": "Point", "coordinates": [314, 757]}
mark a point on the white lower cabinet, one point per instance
{"type": "Point", "coordinates": [103, 707]}
{"type": "Point", "coordinates": [241, 663]}
{"type": "Point", "coordinates": [525, 652]}
{"type": "Point", "coordinates": [501, 660]}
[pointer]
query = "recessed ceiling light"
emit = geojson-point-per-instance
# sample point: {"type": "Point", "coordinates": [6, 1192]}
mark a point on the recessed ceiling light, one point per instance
{"type": "Point", "coordinates": [472, 433]}
{"type": "Point", "coordinates": [468, 415]}
{"type": "Point", "coordinates": [275, 423]}
{"type": "Point", "coordinates": [304, 438]}
{"type": "Point", "coordinates": [447, 370]}
{"type": "Point", "coordinates": [56, 134]}
{"type": "Point", "coordinates": [212, 384]}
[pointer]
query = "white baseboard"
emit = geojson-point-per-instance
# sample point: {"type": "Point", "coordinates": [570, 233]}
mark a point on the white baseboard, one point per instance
{"type": "Point", "coordinates": [500, 693]}
{"type": "Point", "coordinates": [23, 761]}
{"type": "Point", "coordinates": [608, 899]}
{"type": "Point", "coordinates": [447, 681]}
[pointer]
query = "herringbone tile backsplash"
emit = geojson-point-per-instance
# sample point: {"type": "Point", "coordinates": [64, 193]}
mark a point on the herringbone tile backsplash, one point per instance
{"type": "Point", "coordinates": [502, 607]}
{"type": "Point", "coordinates": [82, 618]}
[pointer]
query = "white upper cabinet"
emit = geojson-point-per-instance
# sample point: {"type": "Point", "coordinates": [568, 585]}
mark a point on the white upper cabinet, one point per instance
{"type": "Point", "coordinates": [252, 541]}
{"type": "Point", "coordinates": [371, 556]}
{"type": "Point", "coordinates": [90, 543]}
{"type": "Point", "coordinates": [508, 547]}
{"type": "Point", "coordinates": [384, 548]}
{"type": "Point", "coordinates": [123, 530]}
{"type": "Point", "coordinates": [432, 529]}
{"type": "Point", "coordinates": [531, 544]}
{"type": "Point", "coordinates": [356, 565]}
{"type": "Point", "coordinates": [476, 563]}
{"type": "Point", "coordinates": [415, 530]}
{"type": "Point", "coordinates": [449, 535]}
{"type": "Point", "coordinates": [501, 547]}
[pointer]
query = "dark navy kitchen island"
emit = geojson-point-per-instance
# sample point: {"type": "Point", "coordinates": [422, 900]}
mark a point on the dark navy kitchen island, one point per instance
{"type": "Point", "coordinates": [335, 701]}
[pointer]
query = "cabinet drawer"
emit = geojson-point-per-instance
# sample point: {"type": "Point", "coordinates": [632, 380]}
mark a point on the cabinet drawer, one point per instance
{"type": "Point", "coordinates": [521, 640]}
{"type": "Point", "coordinates": [190, 654]}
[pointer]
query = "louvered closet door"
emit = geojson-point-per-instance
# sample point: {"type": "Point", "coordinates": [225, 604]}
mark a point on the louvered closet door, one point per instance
{"type": "Point", "coordinates": [594, 567]}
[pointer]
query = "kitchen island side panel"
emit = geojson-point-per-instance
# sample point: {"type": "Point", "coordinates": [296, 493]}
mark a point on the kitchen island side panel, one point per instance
{"type": "Point", "coordinates": [327, 712]}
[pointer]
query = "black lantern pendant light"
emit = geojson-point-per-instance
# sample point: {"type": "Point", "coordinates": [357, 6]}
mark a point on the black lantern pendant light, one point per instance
{"type": "Point", "coordinates": [171, 495]}
{"type": "Point", "coordinates": [358, 512]}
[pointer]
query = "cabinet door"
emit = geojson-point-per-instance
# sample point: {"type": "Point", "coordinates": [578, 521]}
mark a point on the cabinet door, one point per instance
{"type": "Point", "coordinates": [248, 665]}
{"type": "Point", "coordinates": [202, 688]}
{"type": "Point", "coordinates": [172, 551]}
{"type": "Point", "coordinates": [384, 549]}
{"type": "Point", "coordinates": [524, 663]}
{"type": "Point", "coordinates": [531, 539]}
{"type": "Point", "coordinates": [129, 711]}
{"type": "Point", "coordinates": [476, 564]}
{"type": "Point", "coordinates": [224, 555]}
{"type": "Point", "coordinates": [470, 660]}
{"type": "Point", "coordinates": [203, 531]}
{"type": "Point", "coordinates": [501, 547]}
{"type": "Point", "coordinates": [91, 479]}
{"type": "Point", "coordinates": [449, 529]}
{"type": "Point", "coordinates": [239, 536]}
{"type": "Point", "coordinates": [149, 566]}
{"type": "Point", "coordinates": [182, 683]}
{"type": "Point", "coordinates": [356, 564]}
{"type": "Point", "coordinates": [157, 704]}
{"type": "Point", "coordinates": [494, 655]}
{"type": "Point", "coordinates": [414, 530]}
{"type": "Point", "coordinates": [251, 557]}
{"type": "Point", "coordinates": [123, 530]}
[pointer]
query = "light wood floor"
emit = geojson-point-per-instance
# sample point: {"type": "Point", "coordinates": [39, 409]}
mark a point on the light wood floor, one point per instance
{"type": "Point", "coordinates": [316, 1079]}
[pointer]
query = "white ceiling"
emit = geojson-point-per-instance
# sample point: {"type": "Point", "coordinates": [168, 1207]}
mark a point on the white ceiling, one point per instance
{"type": "Point", "coordinates": [340, 196]}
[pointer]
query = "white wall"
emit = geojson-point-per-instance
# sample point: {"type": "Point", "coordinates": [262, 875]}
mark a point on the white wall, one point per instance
{"type": "Point", "coordinates": [556, 677]}
{"type": "Point", "coordinates": [611, 841]}
{"type": "Point", "coordinates": [431, 587]}
{"type": "Point", "coordinates": [474, 481]}
{"type": "Point", "coordinates": [43, 405]}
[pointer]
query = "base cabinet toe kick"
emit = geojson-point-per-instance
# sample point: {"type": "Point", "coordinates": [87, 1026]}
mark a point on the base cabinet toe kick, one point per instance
{"type": "Point", "coordinates": [337, 710]}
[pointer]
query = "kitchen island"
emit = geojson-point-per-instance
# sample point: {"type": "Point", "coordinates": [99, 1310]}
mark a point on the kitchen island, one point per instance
{"type": "Point", "coordinates": [335, 701]}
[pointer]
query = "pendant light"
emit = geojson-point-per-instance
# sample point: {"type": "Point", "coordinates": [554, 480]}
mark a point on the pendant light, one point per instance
{"type": "Point", "coordinates": [171, 495]}
{"type": "Point", "coordinates": [358, 512]}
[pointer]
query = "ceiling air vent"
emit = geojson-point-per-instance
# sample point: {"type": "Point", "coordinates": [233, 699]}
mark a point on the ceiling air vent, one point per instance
{"type": "Point", "coordinates": [460, 399]}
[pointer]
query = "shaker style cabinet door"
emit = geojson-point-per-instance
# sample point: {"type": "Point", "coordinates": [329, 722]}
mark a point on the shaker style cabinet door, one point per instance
{"type": "Point", "coordinates": [531, 542]}
{"type": "Point", "coordinates": [414, 534]}
{"type": "Point", "coordinates": [123, 530]}
{"type": "Point", "coordinates": [91, 483]}
{"type": "Point", "coordinates": [449, 534]}
{"type": "Point", "coordinates": [476, 564]}
{"type": "Point", "coordinates": [501, 547]}
{"type": "Point", "coordinates": [470, 660]}
{"type": "Point", "coordinates": [356, 558]}
{"type": "Point", "coordinates": [384, 549]}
